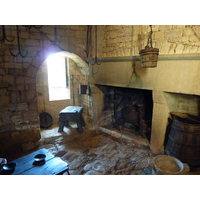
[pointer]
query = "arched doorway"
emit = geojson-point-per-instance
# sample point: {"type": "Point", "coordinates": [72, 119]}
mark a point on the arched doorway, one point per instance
{"type": "Point", "coordinates": [77, 73]}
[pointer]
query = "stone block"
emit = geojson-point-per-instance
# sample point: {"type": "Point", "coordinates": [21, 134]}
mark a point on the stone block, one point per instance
{"type": "Point", "coordinates": [24, 34]}
{"type": "Point", "coordinates": [173, 33]}
{"type": "Point", "coordinates": [32, 115]}
{"type": "Point", "coordinates": [16, 119]}
{"type": "Point", "coordinates": [14, 96]}
{"type": "Point", "coordinates": [8, 79]}
{"type": "Point", "coordinates": [13, 107]}
{"type": "Point", "coordinates": [165, 47]}
{"type": "Point", "coordinates": [20, 87]}
{"type": "Point", "coordinates": [32, 71]}
{"type": "Point", "coordinates": [76, 27]}
{"type": "Point", "coordinates": [172, 48]}
{"type": "Point", "coordinates": [6, 127]}
{"type": "Point", "coordinates": [33, 105]}
{"type": "Point", "coordinates": [22, 107]}
{"type": "Point", "coordinates": [198, 50]}
{"type": "Point", "coordinates": [6, 117]}
{"type": "Point", "coordinates": [3, 91]}
{"type": "Point", "coordinates": [48, 29]}
{"type": "Point", "coordinates": [4, 85]}
{"type": "Point", "coordinates": [194, 49]}
{"type": "Point", "coordinates": [29, 80]}
{"type": "Point", "coordinates": [179, 48]}
{"type": "Point", "coordinates": [80, 34]}
{"type": "Point", "coordinates": [16, 135]}
{"type": "Point", "coordinates": [158, 35]}
{"type": "Point", "coordinates": [60, 31]}
{"type": "Point", "coordinates": [70, 33]}
{"type": "Point", "coordinates": [164, 27]}
{"type": "Point", "coordinates": [2, 71]}
{"type": "Point", "coordinates": [193, 38]}
{"type": "Point", "coordinates": [31, 42]}
{"type": "Point", "coordinates": [4, 100]}
{"type": "Point", "coordinates": [187, 48]}
{"type": "Point", "coordinates": [28, 146]}
{"type": "Point", "coordinates": [37, 61]}
{"type": "Point", "coordinates": [20, 79]}
{"type": "Point", "coordinates": [158, 97]}
{"type": "Point", "coordinates": [31, 95]}
{"type": "Point", "coordinates": [188, 32]}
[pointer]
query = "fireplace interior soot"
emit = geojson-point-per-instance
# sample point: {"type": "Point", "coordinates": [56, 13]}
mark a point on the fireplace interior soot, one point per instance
{"type": "Point", "coordinates": [128, 109]}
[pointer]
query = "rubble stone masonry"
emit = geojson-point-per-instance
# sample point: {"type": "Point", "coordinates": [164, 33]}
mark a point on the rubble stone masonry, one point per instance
{"type": "Point", "coordinates": [19, 117]}
{"type": "Point", "coordinates": [128, 40]}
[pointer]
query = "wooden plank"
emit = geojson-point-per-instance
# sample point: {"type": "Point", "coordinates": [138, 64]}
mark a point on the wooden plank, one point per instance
{"type": "Point", "coordinates": [26, 165]}
{"type": "Point", "coordinates": [53, 166]}
{"type": "Point", "coordinates": [27, 162]}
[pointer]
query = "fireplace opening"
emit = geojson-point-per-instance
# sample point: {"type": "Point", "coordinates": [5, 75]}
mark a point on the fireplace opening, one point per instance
{"type": "Point", "coordinates": [128, 109]}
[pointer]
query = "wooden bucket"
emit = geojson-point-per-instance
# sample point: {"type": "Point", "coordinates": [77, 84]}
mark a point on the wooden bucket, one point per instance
{"type": "Point", "coordinates": [149, 57]}
{"type": "Point", "coordinates": [168, 165]}
{"type": "Point", "coordinates": [184, 141]}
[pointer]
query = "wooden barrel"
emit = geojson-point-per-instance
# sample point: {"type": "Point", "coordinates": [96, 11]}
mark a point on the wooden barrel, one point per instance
{"type": "Point", "coordinates": [184, 141]}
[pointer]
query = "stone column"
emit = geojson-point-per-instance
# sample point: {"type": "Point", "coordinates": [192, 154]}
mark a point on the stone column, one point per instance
{"type": "Point", "coordinates": [159, 122]}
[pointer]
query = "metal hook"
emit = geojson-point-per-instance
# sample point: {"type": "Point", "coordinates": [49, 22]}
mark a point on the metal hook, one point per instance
{"type": "Point", "coordinates": [19, 48]}
{"type": "Point", "coordinates": [4, 35]}
{"type": "Point", "coordinates": [33, 26]}
{"type": "Point", "coordinates": [96, 60]}
{"type": "Point", "coordinates": [55, 41]}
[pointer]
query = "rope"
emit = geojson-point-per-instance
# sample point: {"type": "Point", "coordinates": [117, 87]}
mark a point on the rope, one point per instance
{"type": "Point", "coordinates": [149, 41]}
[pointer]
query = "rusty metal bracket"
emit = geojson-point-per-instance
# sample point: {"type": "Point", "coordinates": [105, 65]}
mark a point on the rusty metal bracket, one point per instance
{"type": "Point", "coordinates": [18, 45]}
{"type": "Point", "coordinates": [96, 59]}
{"type": "Point", "coordinates": [33, 26]}
{"type": "Point", "coordinates": [4, 38]}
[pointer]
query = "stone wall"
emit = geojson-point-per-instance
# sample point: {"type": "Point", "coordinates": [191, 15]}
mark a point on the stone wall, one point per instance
{"type": "Point", "coordinates": [18, 96]}
{"type": "Point", "coordinates": [128, 40]}
{"type": "Point", "coordinates": [174, 82]}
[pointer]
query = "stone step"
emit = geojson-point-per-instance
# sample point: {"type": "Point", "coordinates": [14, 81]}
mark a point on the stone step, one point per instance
{"type": "Point", "coordinates": [125, 136]}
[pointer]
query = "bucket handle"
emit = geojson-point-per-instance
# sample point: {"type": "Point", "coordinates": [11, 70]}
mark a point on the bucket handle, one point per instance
{"type": "Point", "coordinates": [149, 40]}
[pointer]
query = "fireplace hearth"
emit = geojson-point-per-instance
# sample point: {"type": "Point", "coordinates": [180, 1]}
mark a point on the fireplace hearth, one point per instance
{"type": "Point", "coordinates": [127, 109]}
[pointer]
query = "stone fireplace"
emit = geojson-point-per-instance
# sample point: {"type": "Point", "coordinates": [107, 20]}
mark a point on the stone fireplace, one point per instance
{"type": "Point", "coordinates": [173, 86]}
{"type": "Point", "coordinates": [127, 109]}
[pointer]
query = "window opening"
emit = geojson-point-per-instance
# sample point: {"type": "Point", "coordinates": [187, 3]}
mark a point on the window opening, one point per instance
{"type": "Point", "coordinates": [58, 82]}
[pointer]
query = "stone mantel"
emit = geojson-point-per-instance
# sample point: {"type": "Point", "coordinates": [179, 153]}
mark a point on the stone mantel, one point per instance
{"type": "Point", "coordinates": [174, 74]}
{"type": "Point", "coordinates": [161, 57]}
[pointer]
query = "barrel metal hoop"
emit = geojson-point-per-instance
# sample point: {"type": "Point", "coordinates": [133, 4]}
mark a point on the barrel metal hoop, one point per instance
{"type": "Point", "coordinates": [181, 143]}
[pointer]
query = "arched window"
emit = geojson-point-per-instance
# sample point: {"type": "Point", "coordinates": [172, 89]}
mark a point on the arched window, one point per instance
{"type": "Point", "coordinates": [58, 79]}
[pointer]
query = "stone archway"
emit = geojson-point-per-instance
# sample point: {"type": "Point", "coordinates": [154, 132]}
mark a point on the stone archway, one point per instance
{"type": "Point", "coordinates": [80, 68]}
{"type": "Point", "coordinates": [47, 51]}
